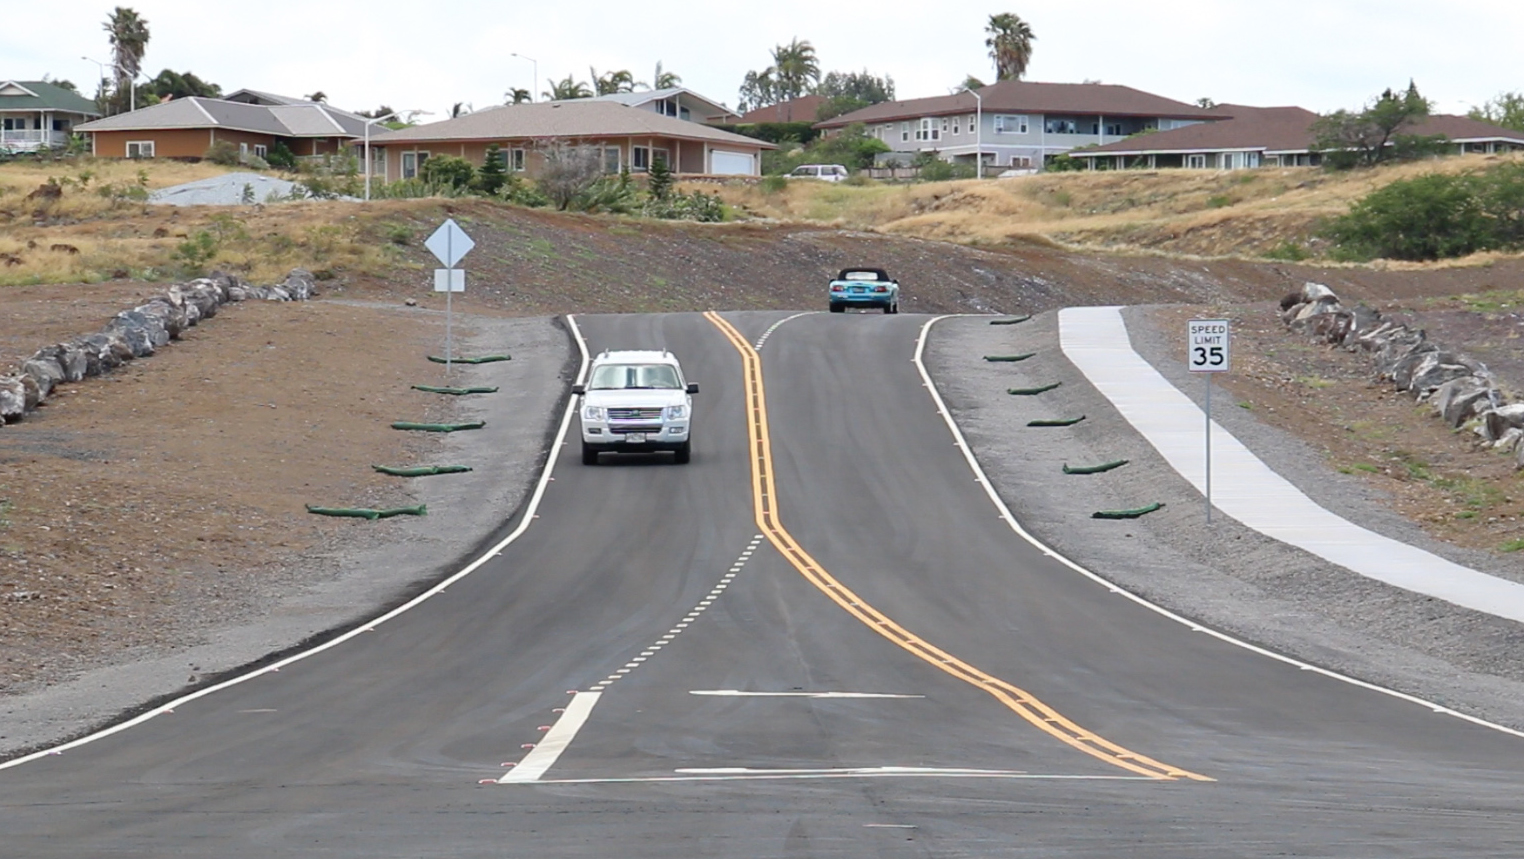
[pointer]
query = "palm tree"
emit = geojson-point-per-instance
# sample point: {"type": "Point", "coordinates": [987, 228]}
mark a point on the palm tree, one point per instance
{"type": "Point", "coordinates": [608, 84]}
{"type": "Point", "coordinates": [459, 109]}
{"type": "Point", "coordinates": [795, 69]}
{"type": "Point", "coordinates": [664, 80]}
{"type": "Point", "coordinates": [517, 96]}
{"type": "Point", "coordinates": [567, 89]}
{"type": "Point", "coordinates": [318, 96]}
{"type": "Point", "coordinates": [1010, 45]}
{"type": "Point", "coordinates": [129, 39]}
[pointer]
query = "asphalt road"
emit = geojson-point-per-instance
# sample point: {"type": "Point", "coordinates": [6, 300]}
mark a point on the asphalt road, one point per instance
{"type": "Point", "coordinates": [876, 666]}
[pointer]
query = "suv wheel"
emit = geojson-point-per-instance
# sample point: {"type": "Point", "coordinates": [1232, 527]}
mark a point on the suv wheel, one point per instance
{"type": "Point", "coordinates": [682, 454]}
{"type": "Point", "coordinates": [589, 454]}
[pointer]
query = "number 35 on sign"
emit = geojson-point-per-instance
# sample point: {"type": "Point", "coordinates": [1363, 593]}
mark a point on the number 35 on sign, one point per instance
{"type": "Point", "coordinates": [1208, 345]}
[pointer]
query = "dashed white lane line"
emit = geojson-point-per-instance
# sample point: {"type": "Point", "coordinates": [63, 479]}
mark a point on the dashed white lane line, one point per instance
{"type": "Point", "coordinates": [762, 341]}
{"type": "Point", "coordinates": [535, 764]}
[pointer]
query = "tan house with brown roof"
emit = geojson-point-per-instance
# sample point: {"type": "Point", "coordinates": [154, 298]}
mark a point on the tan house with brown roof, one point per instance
{"type": "Point", "coordinates": [188, 127]}
{"type": "Point", "coordinates": [1271, 136]}
{"type": "Point", "coordinates": [629, 137]}
{"type": "Point", "coordinates": [1017, 123]}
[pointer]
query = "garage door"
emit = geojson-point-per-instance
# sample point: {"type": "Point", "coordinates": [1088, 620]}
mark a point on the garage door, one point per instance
{"type": "Point", "coordinates": [731, 163]}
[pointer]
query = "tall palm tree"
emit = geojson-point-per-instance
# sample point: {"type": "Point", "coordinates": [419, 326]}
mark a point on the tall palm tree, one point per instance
{"type": "Point", "coordinates": [567, 89]}
{"type": "Point", "coordinates": [795, 69]}
{"type": "Point", "coordinates": [612, 82]}
{"type": "Point", "coordinates": [1010, 45]}
{"type": "Point", "coordinates": [517, 96]}
{"type": "Point", "coordinates": [129, 40]}
{"type": "Point", "coordinates": [664, 79]}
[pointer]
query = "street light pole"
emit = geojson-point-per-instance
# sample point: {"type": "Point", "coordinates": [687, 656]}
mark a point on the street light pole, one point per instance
{"type": "Point", "coordinates": [102, 86]}
{"type": "Point", "coordinates": [534, 82]}
{"type": "Point", "coordinates": [978, 133]}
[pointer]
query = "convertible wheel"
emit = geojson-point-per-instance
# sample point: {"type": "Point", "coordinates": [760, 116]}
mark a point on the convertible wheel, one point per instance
{"type": "Point", "coordinates": [836, 307]}
{"type": "Point", "coordinates": [682, 454]}
{"type": "Point", "coordinates": [589, 454]}
{"type": "Point", "coordinates": [888, 308]}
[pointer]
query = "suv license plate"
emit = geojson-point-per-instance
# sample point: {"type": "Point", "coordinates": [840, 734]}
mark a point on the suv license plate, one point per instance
{"type": "Point", "coordinates": [635, 438]}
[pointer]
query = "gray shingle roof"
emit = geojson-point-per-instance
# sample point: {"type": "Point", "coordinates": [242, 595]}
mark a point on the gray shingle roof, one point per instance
{"type": "Point", "coordinates": [41, 95]}
{"type": "Point", "coordinates": [308, 119]}
{"type": "Point", "coordinates": [1030, 97]}
{"type": "Point", "coordinates": [579, 119]}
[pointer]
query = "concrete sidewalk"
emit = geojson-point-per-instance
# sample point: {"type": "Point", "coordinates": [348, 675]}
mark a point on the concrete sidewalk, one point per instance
{"type": "Point", "coordinates": [1095, 339]}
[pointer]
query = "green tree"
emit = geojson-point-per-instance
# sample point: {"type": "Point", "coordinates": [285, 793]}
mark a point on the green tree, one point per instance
{"type": "Point", "coordinates": [1365, 137]}
{"type": "Point", "coordinates": [1010, 43]}
{"type": "Point", "coordinates": [280, 156]}
{"type": "Point", "coordinates": [493, 174]}
{"type": "Point", "coordinates": [758, 89]}
{"type": "Point", "coordinates": [613, 82]}
{"type": "Point", "coordinates": [1506, 110]}
{"type": "Point", "coordinates": [659, 179]}
{"type": "Point", "coordinates": [171, 84]}
{"type": "Point", "coordinates": [447, 171]}
{"type": "Point", "coordinates": [383, 110]}
{"type": "Point", "coordinates": [969, 82]}
{"type": "Point", "coordinates": [849, 91]}
{"type": "Point", "coordinates": [320, 97]}
{"type": "Point", "coordinates": [664, 79]}
{"type": "Point", "coordinates": [567, 89]}
{"type": "Point", "coordinates": [1206, 103]}
{"type": "Point", "coordinates": [795, 70]}
{"type": "Point", "coordinates": [517, 96]}
{"type": "Point", "coordinates": [128, 33]}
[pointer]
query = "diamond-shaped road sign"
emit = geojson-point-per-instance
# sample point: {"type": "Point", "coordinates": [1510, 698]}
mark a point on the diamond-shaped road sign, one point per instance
{"type": "Point", "coordinates": [449, 243]}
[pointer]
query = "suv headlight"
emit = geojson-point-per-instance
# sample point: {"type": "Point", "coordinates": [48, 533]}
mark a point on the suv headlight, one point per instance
{"type": "Point", "coordinates": [594, 413]}
{"type": "Point", "coordinates": [676, 412]}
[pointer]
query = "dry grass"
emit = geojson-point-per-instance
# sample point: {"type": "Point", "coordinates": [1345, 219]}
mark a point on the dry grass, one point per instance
{"type": "Point", "coordinates": [1201, 213]}
{"type": "Point", "coordinates": [92, 187]}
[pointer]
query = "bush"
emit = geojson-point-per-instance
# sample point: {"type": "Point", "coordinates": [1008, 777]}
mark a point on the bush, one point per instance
{"type": "Point", "coordinates": [1435, 217]}
{"type": "Point", "coordinates": [222, 152]}
{"type": "Point", "coordinates": [493, 174]}
{"type": "Point", "coordinates": [1063, 163]}
{"type": "Point", "coordinates": [679, 206]}
{"type": "Point", "coordinates": [447, 171]}
{"type": "Point", "coordinates": [281, 157]}
{"type": "Point", "coordinates": [934, 169]}
{"type": "Point", "coordinates": [773, 184]}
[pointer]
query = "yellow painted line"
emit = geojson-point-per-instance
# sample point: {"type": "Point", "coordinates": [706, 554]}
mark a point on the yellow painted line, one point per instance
{"type": "Point", "coordinates": [765, 504]}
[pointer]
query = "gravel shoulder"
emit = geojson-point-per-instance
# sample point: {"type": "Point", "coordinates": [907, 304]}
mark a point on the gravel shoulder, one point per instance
{"type": "Point", "coordinates": [1224, 576]}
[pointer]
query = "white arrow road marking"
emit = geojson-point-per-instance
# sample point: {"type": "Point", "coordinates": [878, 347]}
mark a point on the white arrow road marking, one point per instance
{"type": "Point", "coordinates": [545, 752]}
{"type": "Point", "coordinates": [737, 693]}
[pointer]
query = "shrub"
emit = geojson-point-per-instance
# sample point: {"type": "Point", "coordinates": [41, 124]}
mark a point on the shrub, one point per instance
{"type": "Point", "coordinates": [493, 174]}
{"type": "Point", "coordinates": [772, 184]}
{"type": "Point", "coordinates": [678, 206]}
{"type": "Point", "coordinates": [222, 152]}
{"type": "Point", "coordinates": [1063, 163]}
{"type": "Point", "coordinates": [659, 182]}
{"type": "Point", "coordinates": [447, 171]}
{"type": "Point", "coordinates": [1425, 218]}
{"type": "Point", "coordinates": [280, 156]}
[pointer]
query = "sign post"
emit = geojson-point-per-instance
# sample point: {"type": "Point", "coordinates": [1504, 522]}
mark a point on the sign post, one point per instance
{"type": "Point", "coordinates": [1208, 351]}
{"type": "Point", "coordinates": [449, 244]}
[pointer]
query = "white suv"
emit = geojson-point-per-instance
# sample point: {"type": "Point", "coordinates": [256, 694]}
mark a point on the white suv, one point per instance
{"type": "Point", "coordinates": [826, 172]}
{"type": "Point", "coordinates": [635, 402]}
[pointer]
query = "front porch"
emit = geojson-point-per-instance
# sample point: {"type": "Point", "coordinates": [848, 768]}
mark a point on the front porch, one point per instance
{"type": "Point", "coordinates": [31, 140]}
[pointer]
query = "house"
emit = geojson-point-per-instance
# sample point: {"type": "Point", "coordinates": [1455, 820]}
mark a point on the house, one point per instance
{"type": "Point", "coordinates": [188, 127]}
{"type": "Point", "coordinates": [1270, 136]}
{"type": "Point", "coordinates": [1017, 124]}
{"type": "Point", "coordinates": [40, 115]}
{"type": "Point", "coordinates": [630, 137]}
{"type": "Point", "coordinates": [679, 102]}
{"type": "Point", "coordinates": [805, 108]}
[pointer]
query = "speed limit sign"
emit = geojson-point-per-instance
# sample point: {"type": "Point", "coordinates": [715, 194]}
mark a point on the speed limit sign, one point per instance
{"type": "Point", "coordinates": [1207, 341]}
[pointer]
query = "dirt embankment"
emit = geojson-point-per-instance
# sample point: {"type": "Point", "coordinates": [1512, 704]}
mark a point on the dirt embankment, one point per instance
{"type": "Point", "coordinates": [138, 510]}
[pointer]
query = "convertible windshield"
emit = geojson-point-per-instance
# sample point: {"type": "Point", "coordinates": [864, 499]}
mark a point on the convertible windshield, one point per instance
{"type": "Point", "coordinates": [613, 377]}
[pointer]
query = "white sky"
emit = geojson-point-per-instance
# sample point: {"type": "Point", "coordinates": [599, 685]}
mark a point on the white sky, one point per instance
{"type": "Point", "coordinates": [1322, 56]}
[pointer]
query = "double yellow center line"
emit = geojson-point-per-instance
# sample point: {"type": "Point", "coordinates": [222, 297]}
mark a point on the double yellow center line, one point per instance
{"type": "Point", "coordinates": [765, 504]}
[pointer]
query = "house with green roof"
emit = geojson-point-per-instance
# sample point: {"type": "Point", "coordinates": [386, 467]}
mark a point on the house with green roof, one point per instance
{"type": "Point", "coordinates": [40, 115]}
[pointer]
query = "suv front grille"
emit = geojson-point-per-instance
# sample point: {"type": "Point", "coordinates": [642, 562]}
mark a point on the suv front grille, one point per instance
{"type": "Point", "coordinates": [648, 429]}
{"type": "Point", "coordinates": [635, 414]}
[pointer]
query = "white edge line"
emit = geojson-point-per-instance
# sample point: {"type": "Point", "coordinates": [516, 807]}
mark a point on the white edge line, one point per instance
{"type": "Point", "coordinates": [809, 776]}
{"type": "Point", "coordinates": [1010, 520]}
{"type": "Point", "coordinates": [546, 752]}
{"type": "Point", "coordinates": [363, 627]}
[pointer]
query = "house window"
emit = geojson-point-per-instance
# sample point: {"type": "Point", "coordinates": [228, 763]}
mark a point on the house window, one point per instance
{"type": "Point", "coordinates": [611, 159]}
{"type": "Point", "coordinates": [243, 151]}
{"type": "Point", "coordinates": [516, 160]}
{"type": "Point", "coordinates": [411, 162]}
{"type": "Point", "coordinates": [1061, 126]}
{"type": "Point", "coordinates": [928, 129]}
{"type": "Point", "coordinates": [1114, 129]}
{"type": "Point", "coordinates": [1197, 162]}
{"type": "Point", "coordinates": [944, 125]}
{"type": "Point", "coordinates": [140, 149]}
{"type": "Point", "coordinates": [1010, 124]}
{"type": "Point", "coordinates": [904, 132]}
{"type": "Point", "coordinates": [60, 125]}
{"type": "Point", "coordinates": [640, 159]}
{"type": "Point", "coordinates": [1228, 160]}
{"type": "Point", "coordinates": [13, 124]}
{"type": "Point", "coordinates": [261, 150]}
{"type": "Point", "coordinates": [958, 125]}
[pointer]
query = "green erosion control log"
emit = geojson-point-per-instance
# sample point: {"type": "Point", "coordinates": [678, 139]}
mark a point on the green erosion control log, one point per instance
{"type": "Point", "coordinates": [421, 470]}
{"type": "Point", "coordinates": [435, 389]}
{"type": "Point", "coordinates": [1093, 469]}
{"type": "Point", "coordinates": [410, 425]}
{"type": "Point", "coordinates": [1028, 392]}
{"type": "Point", "coordinates": [1021, 357]}
{"type": "Point", "coordinates": [1066, 422]}
{"type": "Point", "coordinates": [1126, 514]}
{"type": "Point", "coordinates": [485, 359]}
{"type": "Point", "coordinates": [1010, 321]}
{"type": "Point", "coordinates": [368, 512]}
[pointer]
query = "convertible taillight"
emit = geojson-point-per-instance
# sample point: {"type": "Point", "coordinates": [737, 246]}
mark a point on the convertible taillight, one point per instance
{"type": "Point", "coordinates": [836, 287]}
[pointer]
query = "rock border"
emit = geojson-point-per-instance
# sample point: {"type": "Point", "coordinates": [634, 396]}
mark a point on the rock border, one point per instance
{"type": "Point", "coordinates": [135, 333]}
{"type": "Point", "coordinates": [1461, 389]}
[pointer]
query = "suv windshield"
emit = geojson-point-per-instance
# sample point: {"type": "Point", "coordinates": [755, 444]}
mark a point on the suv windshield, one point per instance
{"type": "Point", "coordinates": [613, 377]}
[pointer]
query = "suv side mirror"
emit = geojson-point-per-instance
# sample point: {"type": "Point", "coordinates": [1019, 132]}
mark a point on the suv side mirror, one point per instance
{"type": "Point", "coordinates": [579, 389]}
{"type": "Point", "coordinates": [693, 387]}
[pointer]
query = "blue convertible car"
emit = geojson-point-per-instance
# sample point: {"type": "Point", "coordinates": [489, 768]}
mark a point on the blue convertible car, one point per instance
{"type": "Point", "coordinates": [865, 287]}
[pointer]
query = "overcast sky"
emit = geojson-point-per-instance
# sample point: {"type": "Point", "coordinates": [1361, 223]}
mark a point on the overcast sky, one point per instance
{"type": "Point", "coordinates": [1322, 56]}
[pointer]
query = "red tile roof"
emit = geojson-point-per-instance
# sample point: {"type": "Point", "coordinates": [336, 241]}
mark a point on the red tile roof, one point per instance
{"type": "Point", "coordinates": [1031, 97]}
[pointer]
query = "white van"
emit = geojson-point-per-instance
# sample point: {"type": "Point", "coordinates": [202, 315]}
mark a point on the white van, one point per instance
{"type": "Point", "coordinates": [826, 172]}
